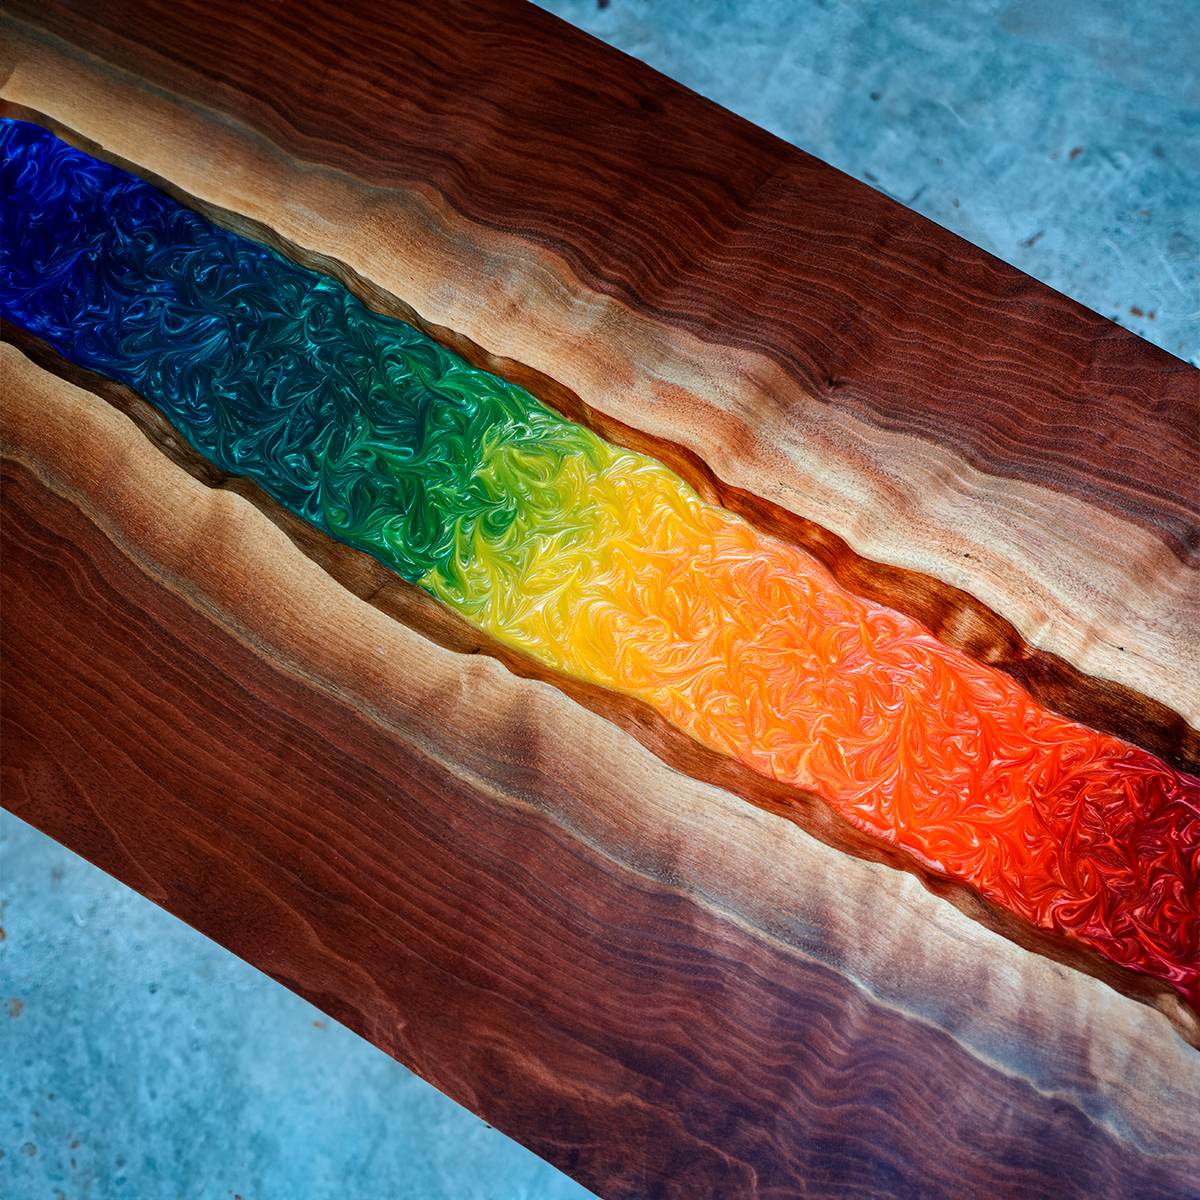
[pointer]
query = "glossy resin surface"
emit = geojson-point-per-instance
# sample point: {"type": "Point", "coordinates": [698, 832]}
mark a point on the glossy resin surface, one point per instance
{"type": "Point", "coordinates": [599, 561]}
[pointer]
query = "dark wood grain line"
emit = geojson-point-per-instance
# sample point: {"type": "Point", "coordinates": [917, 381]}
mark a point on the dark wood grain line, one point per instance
{"type": "Point", "coordinates": [697, 218]}
{"type": "Point", "coordinates": [610, 1022]}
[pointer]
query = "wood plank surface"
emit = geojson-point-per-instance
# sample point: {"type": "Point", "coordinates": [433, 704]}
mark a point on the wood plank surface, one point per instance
{"type": "Point", "coordinates": [658, 988]}
{"type": "Point", "coordinates": [559, 911]}
{"type": "Point", "coordinates": [815, 344]}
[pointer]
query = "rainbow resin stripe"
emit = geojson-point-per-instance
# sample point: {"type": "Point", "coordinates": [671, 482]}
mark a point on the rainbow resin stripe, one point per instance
{"type": "Point", "coordinates": [600, 562]}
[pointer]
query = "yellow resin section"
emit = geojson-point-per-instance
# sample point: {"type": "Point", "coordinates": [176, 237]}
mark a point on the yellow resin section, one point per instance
{"type": "Point", "coordinates": [613, 570]}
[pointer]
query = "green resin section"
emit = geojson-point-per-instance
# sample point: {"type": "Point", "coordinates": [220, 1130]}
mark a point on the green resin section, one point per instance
{"type": "Point", "coordinates": [357, 422]}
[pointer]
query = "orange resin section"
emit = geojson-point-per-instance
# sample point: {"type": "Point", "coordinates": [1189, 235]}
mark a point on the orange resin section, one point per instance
{"type": "Point", "coordinates": [616, 572]}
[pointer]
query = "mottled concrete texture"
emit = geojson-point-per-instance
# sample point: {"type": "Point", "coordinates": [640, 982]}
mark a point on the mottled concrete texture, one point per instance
{"type": "Point", "coordinates": [1061, 135]}
{"type": "Point", "coordinates": [139, 1059]}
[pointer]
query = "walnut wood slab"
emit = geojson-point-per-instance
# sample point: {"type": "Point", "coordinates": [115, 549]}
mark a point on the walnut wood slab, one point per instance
{"type": "Point", "coordinates": [659, 988]}
{"type": "Point", "coordinates": [526, 896]}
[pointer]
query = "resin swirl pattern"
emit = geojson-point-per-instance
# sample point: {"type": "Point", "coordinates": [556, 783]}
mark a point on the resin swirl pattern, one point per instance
{"type": "Point", "coordinates": [600, 562]}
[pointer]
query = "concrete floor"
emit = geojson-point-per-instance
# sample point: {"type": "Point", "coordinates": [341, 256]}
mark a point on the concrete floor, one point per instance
{"type": "Point", "coordinates": [1061, 135]}
{"type": "Point", "coordinates": [139, 1059]}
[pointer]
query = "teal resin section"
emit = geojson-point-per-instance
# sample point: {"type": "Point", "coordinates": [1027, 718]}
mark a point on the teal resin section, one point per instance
{"type": "Point", "coordinates": [355, 421]}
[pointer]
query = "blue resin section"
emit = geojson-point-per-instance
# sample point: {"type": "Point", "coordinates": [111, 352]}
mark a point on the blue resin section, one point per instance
{"type": "Point", "coordinates": [357, 422]}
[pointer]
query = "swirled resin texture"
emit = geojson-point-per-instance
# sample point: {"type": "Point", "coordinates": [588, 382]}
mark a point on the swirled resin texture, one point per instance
{"type": "Point", "coordinates": [600, 562]}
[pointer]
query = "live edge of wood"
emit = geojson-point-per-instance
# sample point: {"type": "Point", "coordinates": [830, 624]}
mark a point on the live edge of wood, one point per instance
{"type": "Point", "coordinates": [659, 988]}
{"type": "Point", "coordinates": [662, 990]}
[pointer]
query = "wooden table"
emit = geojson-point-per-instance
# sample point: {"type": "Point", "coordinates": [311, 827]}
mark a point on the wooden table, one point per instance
{"type": "Point", "coordinates": [661, 972]}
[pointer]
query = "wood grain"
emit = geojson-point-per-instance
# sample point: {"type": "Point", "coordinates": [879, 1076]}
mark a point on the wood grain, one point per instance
{"type": "Point", "coordinates": [249, 790]}
{"type": "Point", "coordinates": [366, 578]}
{"type": "Point", "coordinates": [1059, 491]}
{"type": "Point", "coordinates": [670, 191]}
{"type": "Point", "coordinates": [950, 613]}
{"type": "Point", "coordinates": [545, 901]}
{"type": "Point", "coordinates": [615, 1023]}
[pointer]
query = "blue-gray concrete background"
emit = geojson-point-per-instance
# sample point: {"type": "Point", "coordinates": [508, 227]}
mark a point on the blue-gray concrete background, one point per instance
{"type": "Point", "coordinates": [139, 1059]}
{"type": "Point", "coordinates": [1061, 135]}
